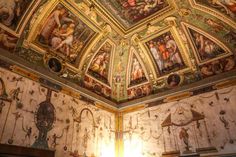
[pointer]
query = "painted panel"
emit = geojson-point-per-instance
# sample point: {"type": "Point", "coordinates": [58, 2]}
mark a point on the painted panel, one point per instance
{"type": "Point", "coordinates": [137, 75]}
{"type": "Point", "coordinates": [226, 7]}
{"type": "Point", "coordinates": [12, 11]}
{"type": "Point", "coordinates": [205, 47]}
{"type": "Point", "coordinates": [166, 53]}
{"type": "Point", "coordinates": [132, 11]}
{"type": "Point", "coordinates": [100, 64]}
{"type": "Point", "coordinates": [64, 33]}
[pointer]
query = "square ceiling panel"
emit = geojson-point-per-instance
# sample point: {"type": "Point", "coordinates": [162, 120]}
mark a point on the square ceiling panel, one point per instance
{"type": "Point", "coordinates": [132, 12]}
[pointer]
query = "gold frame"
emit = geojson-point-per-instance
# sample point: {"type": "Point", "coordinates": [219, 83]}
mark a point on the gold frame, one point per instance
{"type": "Point", "coordinates": [186, 27]}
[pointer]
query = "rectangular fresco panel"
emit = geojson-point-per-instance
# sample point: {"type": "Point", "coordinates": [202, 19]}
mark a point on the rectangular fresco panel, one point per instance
{"type": "Point", "coordinates": [133, 11]}
{"type": "Point", "coordinates": [166, 53]}
{"type": "Point", "coordinates": [227, 7]}
{"type": "Point", "coordinates": [64, 33]}
{"type": "Point", "coordinates": [12, 11]}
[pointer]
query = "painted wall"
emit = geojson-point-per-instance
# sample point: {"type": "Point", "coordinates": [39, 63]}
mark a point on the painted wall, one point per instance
{"type": "Point", "coordinates": [77, 126]}
{"type": "Point", "coordinates": [205, 122]}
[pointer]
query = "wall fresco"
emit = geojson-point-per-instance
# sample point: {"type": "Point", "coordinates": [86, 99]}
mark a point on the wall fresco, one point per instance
{"type": "Point", "coordinates": [185, 127]}
{"type": "Point", "coordinates": [76, 127]}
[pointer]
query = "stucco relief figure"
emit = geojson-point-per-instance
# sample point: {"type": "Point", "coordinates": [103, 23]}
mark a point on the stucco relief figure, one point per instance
{"type": "Point", "coordinates": [12, 10]}
{"type": "Point", "coordinates": [64, 33]}
{"type": "Point", "coordinates": [7, 41]}
{"type": "Point", "coordinates": [206, 48]}
{"type": "Point", "coordinates": [166, 53]}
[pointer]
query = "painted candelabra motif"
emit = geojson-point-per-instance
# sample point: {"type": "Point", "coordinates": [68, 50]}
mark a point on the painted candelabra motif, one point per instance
{"type": "Point", "coordinates": [133, 11]}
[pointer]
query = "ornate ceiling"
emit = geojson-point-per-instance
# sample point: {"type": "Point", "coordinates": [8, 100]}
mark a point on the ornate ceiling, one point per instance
{"type": "Point", "coordinates": [121, 51]}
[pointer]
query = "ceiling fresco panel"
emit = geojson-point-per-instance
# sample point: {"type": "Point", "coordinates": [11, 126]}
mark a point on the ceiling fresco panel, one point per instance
{"type": "Point", "coordinates": [100, 64]}
{"type": "Point", "coordinates": [166, 53]}
{"type": "Point", "coordinates": [14, 14]}
{"type": "Point", "coordinates": [12, 11]}
{"type": "Point", "coordinates": [137, 72]}
{"type": "Point", "coordinates": [130, 12]}
{"type": "Point", "coordinates": [63, 33]}
{"type": "Point", "coordinates": [206, 47]}
{"type": "Point", "coordinates": [226, 7]}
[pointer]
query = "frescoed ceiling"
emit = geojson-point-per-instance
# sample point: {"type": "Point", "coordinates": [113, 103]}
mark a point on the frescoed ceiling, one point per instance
{"type": "Point", "coordinates": [121, 52]}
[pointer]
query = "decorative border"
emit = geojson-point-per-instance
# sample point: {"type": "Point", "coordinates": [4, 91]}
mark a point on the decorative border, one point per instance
{"type": "Point", "coordinates": [186, 27]}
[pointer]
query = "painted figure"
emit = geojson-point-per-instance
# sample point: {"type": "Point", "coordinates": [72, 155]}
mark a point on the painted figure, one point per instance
{"type": "Point", "coordinates": [228, 5]}
{"type": "Point", "coordinates": [64, 33]}
{"type": "Point", "coordinates": [166, 53]}
{"type": "Point", "coordinates": [137, 71]}
{"type": "Point", "coordinates": [99, 65]}
{"type": "Point", "coordinates": [206, 48]}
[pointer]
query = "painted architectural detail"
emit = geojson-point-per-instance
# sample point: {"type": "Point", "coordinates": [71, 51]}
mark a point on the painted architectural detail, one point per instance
{"type": "Point", "coordinates": [207, 48]}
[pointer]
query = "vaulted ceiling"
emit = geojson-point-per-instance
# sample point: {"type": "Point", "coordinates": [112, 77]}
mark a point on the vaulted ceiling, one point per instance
{"type": "Point", "coordinates": [121, 51]}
